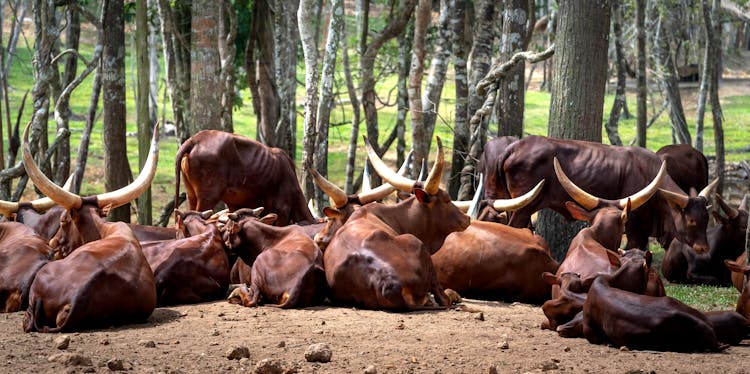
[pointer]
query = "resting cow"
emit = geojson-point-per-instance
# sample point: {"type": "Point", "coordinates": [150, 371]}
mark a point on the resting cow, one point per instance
{"type": "Point", "coordinates": [219, 166]}
{"type": "Point", "coordinates": [105, 282]}
{"type": "Point", "coordinates": [193, 269]}
{"type": "Point", "coordinates": [497, 262]}
{"type": "Point", "coordinates": [42, 215]}
{"type": "Point", "coordinates": [488, 164]}
{"type": "Point", "coordinates": [726, 240]}
{"type": "Point", "coordinates": [287, 268]}
{"type": "Point", "coordinates": [22, 253]}
{"type": "Point", "coordinates": [609, 172]}
{"type": "Point", "coordinates": [380, 258]}
{"type": "Point", "coordinates": [612, 314]}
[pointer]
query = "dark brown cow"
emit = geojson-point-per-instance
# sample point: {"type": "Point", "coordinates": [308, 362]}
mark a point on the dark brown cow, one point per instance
{"type": "Point", "coordinates": [219, 166]}
{"type": "Point", "coordinates": [568, 303]}
{"type": "Point", "coordinates": [686, 166]}
{"type": "Point", "coordinates": [287, 268]}
{"type": "Point", "coordinates": [193, 269]}
{"type": "Point", "coordinates": [492, 171]}
{"type": "Point", "coordinates": [612, 314]}
{"type": "Point", "coordinates": [380, 258]}
{"type": "Point", "coordinates": [105, 282]}
{"type": "Point", "coordinates": [726, 240]}
{"type": "Point", "coordinates": [609, 172]}
{"type": "Point", "coordinates": [22, 253]}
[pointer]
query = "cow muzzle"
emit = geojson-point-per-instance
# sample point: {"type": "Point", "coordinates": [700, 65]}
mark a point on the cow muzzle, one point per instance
{"type": "Point", "coordinates": [700, 248]}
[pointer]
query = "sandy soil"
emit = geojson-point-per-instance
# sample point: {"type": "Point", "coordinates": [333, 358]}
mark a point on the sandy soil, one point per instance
{"type": "Point", "coordinates": [494, 337]}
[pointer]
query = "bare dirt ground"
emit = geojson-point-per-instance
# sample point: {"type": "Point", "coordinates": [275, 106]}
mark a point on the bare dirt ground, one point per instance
{"type": "Point", "coordinates": [496, 337]}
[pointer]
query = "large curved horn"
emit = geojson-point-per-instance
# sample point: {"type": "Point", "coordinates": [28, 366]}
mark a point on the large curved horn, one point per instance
{"type": "Point", "coordinates": [385, 189]}
{"type": "Point", "coordinates": [641, 197]}
{"type": "Point", "coordinates": [130, 192]}
{"type": "Point", "coordinates": [706, 191]}
{"type": "Point", "coordinates": [519, 202]}
{"type": "Point", "coordinates": [45, 203]}
{"type": "Point", "coordinates": [398, 181]}
{"type": "Point", "coordinates": [731, 212]}
{"type": "Point", "coordinates": [679, 199]}
{"type": "Point", "coordinates": [8, 207]}
{"type": "Point", "coordinates": [366, 187]}
{"type": "Point", "coordinates": [338, 196]}
{"type": "Point", "coordinates": [62, 197]}
{"type": "Point", "coordinates": [473, 211]}
{"type": "Point", "coordinates": [580, 196]}
{"type": "Point", "coordinates": [432, 183]}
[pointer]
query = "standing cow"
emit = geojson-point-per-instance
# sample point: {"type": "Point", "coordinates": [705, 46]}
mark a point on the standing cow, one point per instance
{"type": "Point", "coordinates": [241, 172]}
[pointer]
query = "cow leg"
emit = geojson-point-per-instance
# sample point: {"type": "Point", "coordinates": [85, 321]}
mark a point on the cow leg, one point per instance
{"type": "Point", "coordinates": [242, 295]}
{"type": "Point", "coordinates": [12, 302]}
{"type": "Point", "coordinates": [593, 333]}
{"type": "Point", "coordinates": [573, 328]}
{"type": "Point", "coordinates": [62, 315]}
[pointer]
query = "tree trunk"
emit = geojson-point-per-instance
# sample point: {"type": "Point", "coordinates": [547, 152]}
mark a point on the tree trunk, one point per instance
{"type": "Point", "coordinates": [145, 128]}
{"type": "Point", "coordinates": [668, 76]}
{"type": "Point", "coordinates": [260, 65]}
{"type": "Point", "coordinates": [713, 39]}
{"type": "Point", "coordinates": [154, 66]}
{"type": "Point", "coordinates": [438, 68]}
{"type": "Point", "coordinates": [305, 18]}
{"type": "Point", "coordinates": [642, 91]}
{"type": "Point", "coordinates": [620, 98]}
{"type": "Point", "coordinates": [286, 40]}
{"type": "Point", "coordinates": [419, 136]}
{"type": "Point", "coordinates": [393, 28]}
{"type": "Point", "coordinates": [116, 168]}
{"type": "Point", "coordinates": [351, 154]}
{"type": "Point", "coordinates": [577, 103]}
{"type": "Point", "coordinates": [461, 125]}
{"type": "Point", "coordinates": [175, 29]}
{"type": "Point", "coordinates": [405, 42]}
{"type": "Point", "coordinates": [518, 20]}
{"type": "Point", "coordinates": [227, 53]}
{"type": "Point", "coordinates": [481, 58]}
{"type": "Point", "coordinates": [205, 86]}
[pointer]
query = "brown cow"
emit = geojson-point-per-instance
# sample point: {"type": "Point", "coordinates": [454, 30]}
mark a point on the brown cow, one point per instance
{"type": "Point", "coordinates": [193, 269]}
{"type": "Point", "coordinates": [494, 261]}
{"type": "Point", "coordinates": [287, 268]}
{"type": "Point", "coordinates": [380, 258]}
{"type": "Point", "coordinates": [609, 172]}
{"type": "Point", "coordinates": [686, 166]}
{"type": "Point", "coordinates": [726, 240]}
{"type": "Point", "coordinates": [615, 315]}
{"type": "Point", "coordinates": [106, 281]}
{"type": "Point", "coordinates": [492, 171]}
{"type": "Point", "coordinates": [42, 215]}
{"type": "Point", "coordinates": [739, 267]}
{"type": "Point", "coordinates": [241, 172]}
{"type": "Point", "coordinates": [22, 253]}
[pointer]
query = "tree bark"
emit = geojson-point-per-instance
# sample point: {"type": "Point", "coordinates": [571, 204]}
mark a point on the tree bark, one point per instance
{"type": "Point", "coordinates": [642, 91]}
{"type": "Point", "coordinates": [713, 38]}
{"type": "Point", "coordinates": [351, 154]}
{"type": "Point", "coordinates": [578, 89]}
{"type": "Point", "coordinates": [143, 119]}
{"type": "Point", "coordinates": [205, 64]}
{"type": "Point", "coordinates": [461, 124]}
{"type": "Point", "coordinates": [116, 168]}
{"type": "Point", "coordinates": [620, 99]}
{"type": "Point", "coordinates": [305, 18]}
{"type": "Point", "coordinates": [260, 65]}
{"type": "Point", "coordinates": [154, 66]}
{"type": "Point", "coordinates": [419, 136]}
{"type": "Point", "coordinates": [175, 29]}
{"type": "Point", "coordinates": [438, 69]}
{"type": "Point", "coordinates": [227, 53]}
{"type": "Point", "coordinates": [286, 40]}
{"type": "Point", "coordinates": [518, 21]}
{"type": "Point", "coordinates": [405, 42]}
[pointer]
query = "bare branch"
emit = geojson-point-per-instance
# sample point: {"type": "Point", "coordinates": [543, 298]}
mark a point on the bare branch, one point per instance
{"type": "Point", "coordinates": [498, 72]}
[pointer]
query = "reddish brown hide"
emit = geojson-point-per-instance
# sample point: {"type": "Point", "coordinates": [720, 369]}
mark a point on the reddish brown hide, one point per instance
{"type": "Point", "coordinates": [287, 269]}
{"type": "Point", "coordinates": [22, 254]}
{"type": "Point", "coordinates": [612, 314]}
{"type": "Point", "coordinates": [219, 166]}
{"type": "Point", "coordinates": [496, 262]}
{"type": "Point", "coordinates": [44, 223]}
{"type": "Point", "coordinates": [609, 172]}
{"type": "Point", "coordinates": [740, 270]}
{"type": "Point", "coordinates": [569, 301]}
{"type": "Point", "coordinates": [192, 269]}
{"type": "Point", "coordinates": [726, 240]}
{"type": "Point", "coordinates": [686, 165]}
{"type": "Point", "coordinates": [112, 283]}
{"type": "Point", "coordinates": [380, 258]}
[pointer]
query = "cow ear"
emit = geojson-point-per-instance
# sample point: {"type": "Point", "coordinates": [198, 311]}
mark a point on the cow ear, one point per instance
{"type": "Point", "coordinates": [578, 212]}
{"type": "Point", "coordinates": [736, 267]}
{"type": "Point", "coordinates": [718, 217]}
{"type": "Point", "coordinates": [550, 278]}
{"type": "Point", "coordinates": [421, 195]}
{"type": "Point", "coordinates": [614, 258]}
{"type": "Point", "coordinates": [331, 212]}
{"type": "Point", "coordinates": [586, 283]}
{"type": "Point", "coordinates": [402, 195]}
{"type": "Point", "coordinates": [269, 218]}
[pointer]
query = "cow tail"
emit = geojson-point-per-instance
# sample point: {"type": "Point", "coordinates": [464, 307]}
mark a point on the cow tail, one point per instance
{"type": "Point", "coordinates": [502, 184]}
{"type": "Point", "coordinates": [185, 148]}
{"type": "Point", "coordinates": [306, 285]}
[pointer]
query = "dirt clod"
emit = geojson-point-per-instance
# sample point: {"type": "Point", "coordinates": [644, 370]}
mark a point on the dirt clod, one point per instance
{"type": "Point", "coordinates": [318, 352]}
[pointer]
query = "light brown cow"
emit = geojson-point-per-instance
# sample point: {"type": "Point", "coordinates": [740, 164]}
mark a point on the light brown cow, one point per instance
{"type": "Point", "coordinates": [105, 282]}
{"type": "Point", "coordinates": [22, 254]}
{"type": "Point", "coordinates": [380, 258]}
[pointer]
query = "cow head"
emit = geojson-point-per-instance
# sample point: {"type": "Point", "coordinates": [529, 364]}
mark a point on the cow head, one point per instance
{"type": "Point", "coordinates": [633, 270]}
{"type": "Point", "coordinates": [193, 222]}
{"type": "Point", "coordinates": [743, 304]}
{"type": "Point", "coordinates": [690, 213]}
{"type": "Point", "coordinates": [430, 214]}
{"type": "Point", "coordinates": [734, 225]}
{"type": "Point", "coordinates": [239, 228]}
{"type": "Point", "coordinates": [85, 214]}
{"type": "Point", "coordinates": [607, 217]}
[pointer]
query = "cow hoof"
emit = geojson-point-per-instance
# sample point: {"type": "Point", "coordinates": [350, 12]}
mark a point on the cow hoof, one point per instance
{"type": "Point", "coordinates": [453, 296]}
{"type": "Point", "coordinates": [236, 296]}
{"type": "Point", "coordinates": [63, 315]}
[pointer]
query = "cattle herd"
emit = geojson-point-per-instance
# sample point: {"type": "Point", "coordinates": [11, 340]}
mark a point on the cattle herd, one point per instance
{"type": "Point", "coordinates": [71, 270]}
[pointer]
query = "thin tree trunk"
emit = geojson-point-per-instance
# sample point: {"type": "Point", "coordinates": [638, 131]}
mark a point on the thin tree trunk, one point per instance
{"type": "Point", "coordinates": [438, 68]}
{"type": "Point", "coordinates": [620, 98]}
{"type": "Point", "coordinates": [154, 66]}
{"type": "Point", "coordinates": [405, 42]}
{"type": "Point", "coordinates": [354, 135]}
{"type": "Point", "coordinates": [83, 148]}
{"type": "Point", "coordinates": [142, 108]}
{"type": "Point", "coordinates": [642, 91]}
{"type": "Point", "coordinates": [305, 18]}
{"type": "Point", "coordinates": [461, 125]}
{"type": "Point", "coordinates": [260, 65]}
{"type": "Point", "coordinates": [176, 40]}
{"type": "Point", "coordinates": [286, 40]}
{"type": "Point", "coordinates": [116, 168]}
{"type": "Point", "coordinates": [518, 21]}
{"type": "Point", "coordinates": [669, 79]}
{"type": "Point", "coordinates": [713, 26]}
{"type": "Point", "coordinates": [227, 52]}
{"type": "Point", "coordinates": [416, 111]}
{"type": "Point", "coordinates": [708, 59]}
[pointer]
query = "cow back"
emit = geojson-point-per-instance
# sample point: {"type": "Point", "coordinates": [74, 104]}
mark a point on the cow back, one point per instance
{"type": "Point", "coordinates": [22, 253]}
